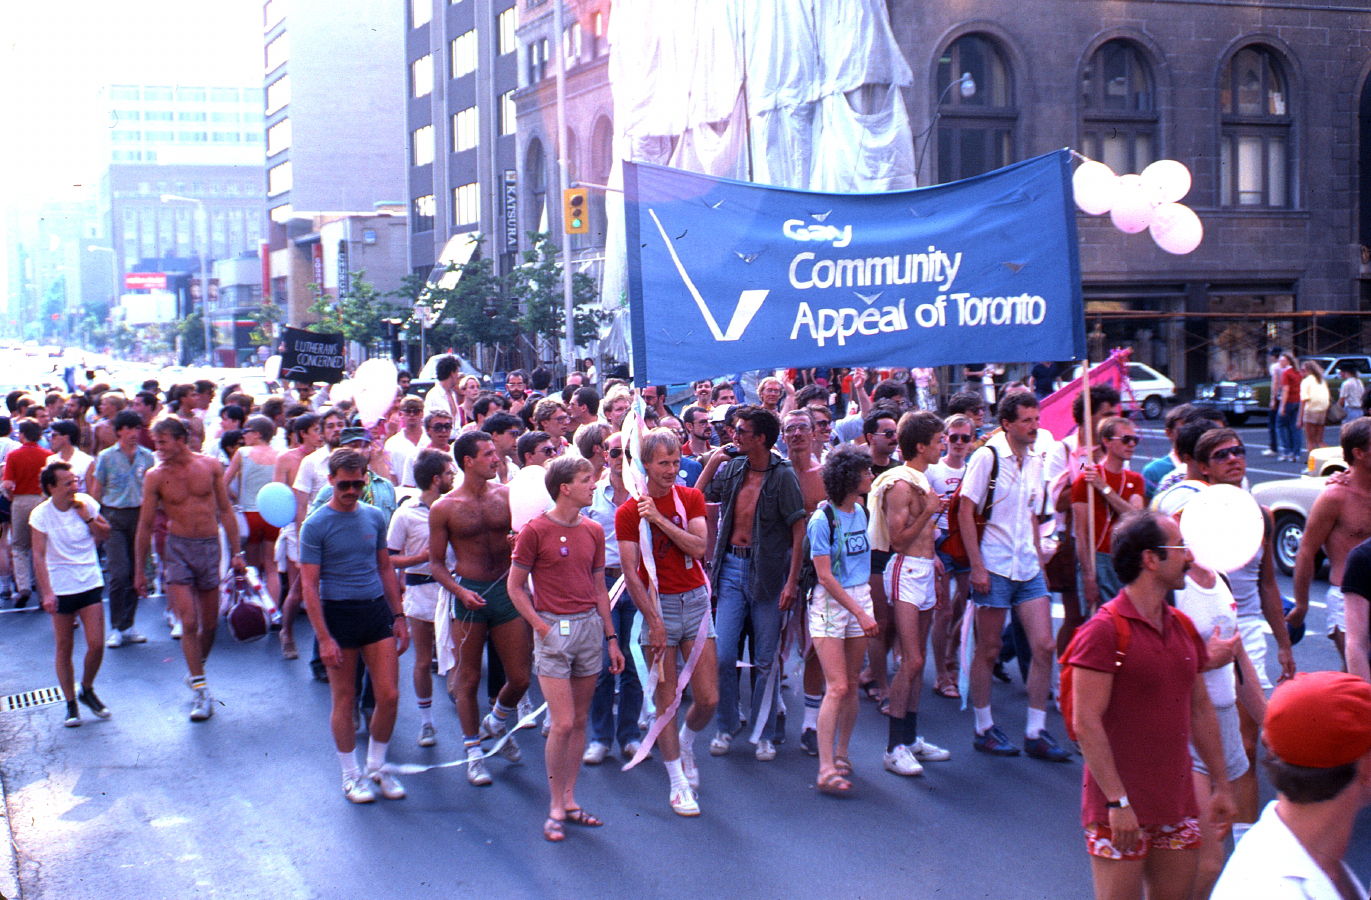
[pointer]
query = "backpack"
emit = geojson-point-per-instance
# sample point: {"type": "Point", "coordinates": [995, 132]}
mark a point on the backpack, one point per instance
{"type": "Point", "coordinates": [809, 576]}
{"type": "Point", "coordinates": [1123, 638]}
{"type": "Point", "coordinates": [954, 545]}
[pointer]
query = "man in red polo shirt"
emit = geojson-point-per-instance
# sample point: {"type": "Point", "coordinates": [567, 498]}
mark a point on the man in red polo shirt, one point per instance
{"type": "Point", "coordinates": [1135, 717]}
{"type": "Point", "coordinates": [20, 482]}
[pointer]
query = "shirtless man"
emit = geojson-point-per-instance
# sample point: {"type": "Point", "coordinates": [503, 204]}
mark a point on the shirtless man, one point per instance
{"type": "Point", "coordinates": [1339, 520]}
{"type": "Point", "coordinates": [906, 526]}
{"type": "Point", "coordinates": [111, 404]}
{"type": "Point", "coordinates": [187, 401]}
{"type": "Point", "coordinates": [306, 429]}
{"type": "Point", "coordinates": [189, 489]}
{"type": "Point", "coordinates": [474, 521]}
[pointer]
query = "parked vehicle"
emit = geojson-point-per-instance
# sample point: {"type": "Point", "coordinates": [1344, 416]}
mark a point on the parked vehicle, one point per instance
{"type": "Point", "coordinates": [1240, 399]}
{"type": "Point", "coordinates": [1289, 500]}
{"type": "Point", "coordinates": [1148, 390]}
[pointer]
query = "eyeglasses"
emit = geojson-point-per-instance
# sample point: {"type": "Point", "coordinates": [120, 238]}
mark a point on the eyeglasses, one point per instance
{"type": "Point", "coordinates": [616, 452]}
{"type": "Point", "coordinates": [957, 438]}
{"type": "Point", "coordinates": [1240, 452]}
{"type": "Point", "coordinates": [797, 428]}
{"type": "Point", "coordinates": [349, 485]}
{"type": "Point", "coordinates": [1129, 440]}
{"type": "Point", "coordinates": [440, 427]}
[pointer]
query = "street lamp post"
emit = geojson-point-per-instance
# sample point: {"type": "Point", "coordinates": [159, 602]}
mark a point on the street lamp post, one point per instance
{"type": "Point", "coordinates": [204, 266]}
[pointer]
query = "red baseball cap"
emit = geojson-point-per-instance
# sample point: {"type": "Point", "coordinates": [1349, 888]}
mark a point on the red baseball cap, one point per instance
{"type": "Point", "coordinates": [1320, 720]}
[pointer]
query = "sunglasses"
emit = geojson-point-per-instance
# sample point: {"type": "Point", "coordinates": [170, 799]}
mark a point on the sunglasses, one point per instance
{"type": "Point", "coordinates": [616, 452]}
{"type": "Point", "coordinates": [1240, 452]}
{"type": "Point", "coordinates": [349, 485]}
{"type": "Point", "coordinates": [795, 429]}
{"type": "Point", "coordinates": [1129, 440]}
{"type": "Point", "coordinates": [954, 438]}
{"type": "Point", "coordinates": [546, 451]}
{"type": "Point", "coordinates": [447, 427]}
{"type": "Point", "coordinates": [889, 432]}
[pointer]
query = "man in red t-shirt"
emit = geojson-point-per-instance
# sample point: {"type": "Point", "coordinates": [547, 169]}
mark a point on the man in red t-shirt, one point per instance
{"type": "Point", "coordinates": [676, 607]}
{"type": "Point", "coordinates": [568, 610]}
{"type": "Point", "coordinates": [20, 482]}
{"type": "Point", "coordinates": [1117, 491]}
{"type": "Point", "coordinates": [1136, 717]}
{"type": "Point", "coordinates": [1287, 432]}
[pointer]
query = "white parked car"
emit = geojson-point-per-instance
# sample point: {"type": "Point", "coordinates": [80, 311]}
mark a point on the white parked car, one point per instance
{"type": "Point", "coordinates": [1147, 390]}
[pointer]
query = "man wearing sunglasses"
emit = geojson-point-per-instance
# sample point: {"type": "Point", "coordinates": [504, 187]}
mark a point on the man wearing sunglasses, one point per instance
{"type": "Point", "coordinates": [438, 428]}
{"type": "Point", "coordinates": [406, 443]}
{"type": "Point", "coordinates": [474, 521]}
{"type": "Point", "coordinates": [1117, 492]}
{"type": "Point", "coordinates": [353, 601]}
{"type": "Point", "coordinates": [505, 430]}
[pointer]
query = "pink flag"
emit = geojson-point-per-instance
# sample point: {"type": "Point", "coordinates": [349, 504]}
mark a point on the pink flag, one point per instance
{"type": "Point", "coordinates": [1054, 412]}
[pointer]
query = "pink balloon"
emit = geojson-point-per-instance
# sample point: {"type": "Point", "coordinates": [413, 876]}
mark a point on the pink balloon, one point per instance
{"type": "Point", "coordinates": [1095, 186]}
{"type": "Point", "coordinates": [1166, 180]}
{"type": "Point", "coordinates": [1176, 228]}
{"type": "Point", "coordinates": [1132, 209]}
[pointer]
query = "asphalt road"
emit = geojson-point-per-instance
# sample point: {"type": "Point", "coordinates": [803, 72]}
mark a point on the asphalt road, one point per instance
{"type": "Point", "coordinates": [148, 804]}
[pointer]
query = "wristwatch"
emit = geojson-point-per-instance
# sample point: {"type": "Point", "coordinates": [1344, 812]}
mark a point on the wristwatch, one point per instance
{"type": "Point", "coordinates": [611, 637]}
{"type": "Point", "coordinates": [1106, 490]}
{"type": "Point", "coordinates": [1121, 803]}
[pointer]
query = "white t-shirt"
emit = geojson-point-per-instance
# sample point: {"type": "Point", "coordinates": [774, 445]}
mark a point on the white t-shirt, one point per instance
{"type": "Point", "coordinates": [80, 464]}
{"type": "Point", "coordinates": [944, 480]}
{"type": "Point", "coordinates": [73, 566]}
{"type": "Point", "coordinates": [408, 534]}
{"type": "Point", "coordinates": [1209, 608]}
{"type": "Point", "coordinates": [402, 451]}
{"type": "Point", "coordinates": [313, 473]}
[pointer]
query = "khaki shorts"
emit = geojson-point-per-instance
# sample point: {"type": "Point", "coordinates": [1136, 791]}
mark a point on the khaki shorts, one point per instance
{"type": "Point", "coordinates": [830, 619]}
{"type": "Point", "coordinates": [192, 561]}
{"type": "Point", "coordinates": [576, 654]}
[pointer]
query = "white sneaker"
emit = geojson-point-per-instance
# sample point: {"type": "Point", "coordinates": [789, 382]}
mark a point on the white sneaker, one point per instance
{"type": "Point", "coordinates": [720, 744]}
{"type": "Point", "coordinates": [357, 788]}
{"type": "Point", "coordinates": [390, 786]}
{"type": "Point", "coordinates": [428, 735]}
{"type": "Point", "coordinates": [926, 752]}
{"type": "Point", "coordinates": [115, 639]}
{"type": "Point", "coordinates": [176, 630]}
{"type": "Point", "coordinates": [546, 726]}
{"type": "Point", "coordinates": [766, 751]}
{"type": "Point", "coordinates": [631, 750]}
{"type": "Point", "coordinates": [134, 637]}
{"type": "Point", "coordinates": [692, 771]}
{"type": "Point", "coordinates": [901, 761]}
{"type": "Point", "coordinates": [524, 709]}
{"type": "Point", "coordinates": [510, 751]}
{"type": "Point", "coordinates": [684, 803]}
{"type": "Point", "coordinates": [595, 753]}
{"type": "Point", "coordinates": [202, 706]}
{"type": "Point", "coordinates": [491, 727]}
{"type": "Point", "coordinates": [1268, 452]}
{"type": "Point", "coordinates": [476, 770]}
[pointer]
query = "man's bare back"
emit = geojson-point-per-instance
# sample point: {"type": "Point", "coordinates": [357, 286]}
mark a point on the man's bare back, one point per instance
{"type": "Point", "coordinates": [190, 490]}
{"type": "Point", "coordinates": [476, 525]}
{"type": "Point", "coordinates": [288, 465]}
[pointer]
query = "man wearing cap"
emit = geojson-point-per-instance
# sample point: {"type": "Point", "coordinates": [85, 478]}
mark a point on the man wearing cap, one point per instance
{"type": "Point", "coordinates": [1318, 738]}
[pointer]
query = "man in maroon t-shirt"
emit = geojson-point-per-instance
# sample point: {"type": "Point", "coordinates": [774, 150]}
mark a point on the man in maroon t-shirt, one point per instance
{"type": "Point", "coordinates": [20, 481]}
{"type": "Point", "coordinates": [676, 606]}
{"type": "Point", "coordinates": [1135, 719]}
{"type": "Point", "coordinates": [568, 610]}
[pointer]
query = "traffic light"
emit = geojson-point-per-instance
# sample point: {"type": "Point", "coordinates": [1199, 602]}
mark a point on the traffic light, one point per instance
{"type": "Point", "coordinates": [574, 211]}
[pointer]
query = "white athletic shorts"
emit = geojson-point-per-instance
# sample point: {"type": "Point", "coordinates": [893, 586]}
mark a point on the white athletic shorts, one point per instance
{"type": "Point", "coordinates": [1336, 614]}
{"type": "Point", "coordinates": [288, 547]}
{"type": "Point", "coordinates": [830, 619]}
{"type": "Point", "coordinates": [1253, 631]}
{"type": "Point", "coordinates": [421, 600]}
{"type": "Point", "coordinates": [910, 579]}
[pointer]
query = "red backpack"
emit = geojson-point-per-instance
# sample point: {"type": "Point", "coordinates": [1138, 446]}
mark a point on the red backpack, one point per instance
{"type": "Point", "coordinates": [1123, 636]}
{"type": "Point", "coordinates": [954, 544]}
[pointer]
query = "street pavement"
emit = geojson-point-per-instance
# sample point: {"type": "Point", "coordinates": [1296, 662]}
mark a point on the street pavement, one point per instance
{"type": "Point", "coordinates": [150, 805]}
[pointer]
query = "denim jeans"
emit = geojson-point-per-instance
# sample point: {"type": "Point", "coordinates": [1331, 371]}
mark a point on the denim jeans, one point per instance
{"type": "Point", "coordinates": [602, 713]}
{"type": "Point", "coordinates": [1291, 437]}
{"type": "Point", "coordinates": [737, 606]}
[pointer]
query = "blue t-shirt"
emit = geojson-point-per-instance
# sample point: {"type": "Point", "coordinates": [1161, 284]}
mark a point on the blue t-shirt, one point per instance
{"type": "Point", "coordinates": [851, 561]}
{"type": "Point", "coordinates": [343, 546]}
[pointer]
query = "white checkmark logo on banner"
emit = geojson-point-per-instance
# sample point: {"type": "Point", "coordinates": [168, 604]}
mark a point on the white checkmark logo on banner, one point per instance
{"type": "Point", "coordinates": [748, 301]}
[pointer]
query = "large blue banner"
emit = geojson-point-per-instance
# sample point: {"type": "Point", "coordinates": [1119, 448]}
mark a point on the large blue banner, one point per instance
{"type": "Point", "coordinates": [726, 276]}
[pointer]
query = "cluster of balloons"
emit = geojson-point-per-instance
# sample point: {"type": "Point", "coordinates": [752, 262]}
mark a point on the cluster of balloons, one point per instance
{"type": "Point", "coordinates": [1150, 200]}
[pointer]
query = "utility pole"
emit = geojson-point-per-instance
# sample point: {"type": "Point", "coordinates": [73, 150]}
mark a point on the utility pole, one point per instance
{"type": "Point", "coordinates": [568, 304]}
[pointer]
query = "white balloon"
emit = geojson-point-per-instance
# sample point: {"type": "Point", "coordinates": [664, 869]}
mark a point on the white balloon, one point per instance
{"type": "Point", "coordinates": [528, 496]}
{"type": "Point", "coordinates": [1132, 209]}
{"type": "Point", "coordinates": [1095, 186]}
{"type": "Point", "coordinates": [271, 369]}
{"type": "Point", "coordinates": [1222, 527]}
{"type": "Point", "coordinates": [1176, 228]}
{"type": "Point", "coordinates": [1167, 180]}
{"type": "Point", "coordinates": [374, 385]}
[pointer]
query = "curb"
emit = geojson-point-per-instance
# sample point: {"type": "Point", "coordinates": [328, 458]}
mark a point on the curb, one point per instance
{"type": "Point", "coordinates": [9, 863]}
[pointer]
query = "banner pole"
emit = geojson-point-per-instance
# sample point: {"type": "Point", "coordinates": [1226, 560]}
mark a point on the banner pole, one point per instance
{"type": "Point", "coordinates": [1086, 443]}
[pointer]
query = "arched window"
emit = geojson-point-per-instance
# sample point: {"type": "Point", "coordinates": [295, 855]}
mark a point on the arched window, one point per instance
{"type": "Point", "coordinates": [601, 161]}
{"type": "Point", "coordinates": [975, 106]}
{"type": "Point", "coordinates": [1255, 147]}
{"type": "Point", "coordinates": [1118, 102]}
{"type": "Point", "coordinates": [535, 180]}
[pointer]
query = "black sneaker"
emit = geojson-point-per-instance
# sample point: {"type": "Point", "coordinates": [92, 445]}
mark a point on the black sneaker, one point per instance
{"type": "Point", "coordinates": [87, 696]}
{"type": "Point", "coordinates": [1044, 747]}
{"type": "Point", "coordinates": [73, 719]}
{"type": "Point", "coordinates": [809, 741]}
{"type": "Point", "coordinates": [21, 599]}
{"type": "Point", "coordinates": [320, 671]}
{"type": "Point", "coordinates": [994, 742]}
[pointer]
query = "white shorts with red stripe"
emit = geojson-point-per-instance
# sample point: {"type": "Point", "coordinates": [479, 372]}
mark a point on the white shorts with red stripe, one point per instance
{"type": "Point", "coordinates": [910, 579]}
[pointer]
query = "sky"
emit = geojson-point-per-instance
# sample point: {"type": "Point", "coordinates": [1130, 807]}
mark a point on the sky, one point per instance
{"type": "Point", "coordinates": [57, 55]}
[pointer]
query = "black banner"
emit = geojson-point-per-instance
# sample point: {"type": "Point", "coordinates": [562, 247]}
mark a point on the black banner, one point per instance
{"type": "Point", "coordinates": [310, 356]}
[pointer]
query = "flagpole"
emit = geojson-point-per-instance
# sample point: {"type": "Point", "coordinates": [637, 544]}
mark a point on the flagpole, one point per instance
{"type": "Point", "coordinates": [1086, 442]}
